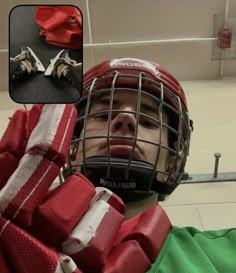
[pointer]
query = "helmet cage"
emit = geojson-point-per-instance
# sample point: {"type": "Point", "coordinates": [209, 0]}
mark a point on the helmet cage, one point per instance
{"type": "Point", "coordinates": [178, 127]}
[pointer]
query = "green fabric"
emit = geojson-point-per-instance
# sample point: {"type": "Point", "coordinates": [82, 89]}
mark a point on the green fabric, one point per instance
{"type": "Point", "coordinates": [188, 250]}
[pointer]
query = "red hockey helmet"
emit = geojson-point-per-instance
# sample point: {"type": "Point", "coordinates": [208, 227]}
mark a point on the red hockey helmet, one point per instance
{"type": "Point", "coordinates": [130, 177]}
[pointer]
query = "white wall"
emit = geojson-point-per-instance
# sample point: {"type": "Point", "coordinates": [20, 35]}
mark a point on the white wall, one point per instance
{"type": "Point", "coordinates": [212, 108]}
{"type": "Point", "coordinates": [208, 205]}
{"type": "Point", "coordinates": [110, 21]}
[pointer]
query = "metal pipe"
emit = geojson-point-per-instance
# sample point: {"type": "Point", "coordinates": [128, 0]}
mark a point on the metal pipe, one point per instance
{"type": "Point", "coordinates": [217, 158]}
{"type": "Point", "coordinates": [226, 15]}
{"type": "Point", "coordinates": [164, 41]}
{"type": "Point", "coordinates": [207, 178]}
{"type": "Point", "coordinates": [90, 32]}
{"type": "Point", "coordinates": [89, 23]}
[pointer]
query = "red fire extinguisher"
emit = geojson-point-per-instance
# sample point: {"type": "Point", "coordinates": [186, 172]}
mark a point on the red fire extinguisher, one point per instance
{"type": "Point", "coordinates": [225, 37]}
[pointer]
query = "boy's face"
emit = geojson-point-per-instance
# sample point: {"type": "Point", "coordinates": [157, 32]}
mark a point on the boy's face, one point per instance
{"type": "Point", "coordinates": [117, 137]}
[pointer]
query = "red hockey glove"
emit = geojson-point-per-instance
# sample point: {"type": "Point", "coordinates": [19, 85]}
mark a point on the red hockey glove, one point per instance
{"type": "Point", "coordinates": [74, 227]}
{"type": "Point", "coordinates": [32, 149]}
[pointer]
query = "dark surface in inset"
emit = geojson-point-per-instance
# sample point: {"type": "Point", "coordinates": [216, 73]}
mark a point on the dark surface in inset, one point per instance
{"type": "Point", "coordinates": [24, 32]}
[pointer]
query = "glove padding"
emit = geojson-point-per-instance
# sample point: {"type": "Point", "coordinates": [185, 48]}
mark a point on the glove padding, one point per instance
{"type": "Point", "coordinates": [42, 150]}
{"type": "Point", "coordinates": [33, 148]}
{"type": "Point", "coordinates": [14, 140]}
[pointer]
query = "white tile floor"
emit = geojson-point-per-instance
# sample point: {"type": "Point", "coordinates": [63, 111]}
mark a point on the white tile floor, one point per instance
{"type": "Point", "coordinates": [205, 206]}
{"type": "Point", "coordinates": [218, 216]}
{"type": "Point", "coordinates": [204, 217]}
{"type": "Point", "coordinates": [184, 216]}
{"type": "Point", "coordinates": [203, 193]}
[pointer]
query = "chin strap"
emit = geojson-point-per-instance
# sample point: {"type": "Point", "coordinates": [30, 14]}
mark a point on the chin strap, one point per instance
{"type": "Point", "coordinates": [141, 182]}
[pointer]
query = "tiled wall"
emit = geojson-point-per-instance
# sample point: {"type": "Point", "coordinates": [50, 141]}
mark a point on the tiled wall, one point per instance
{"type": "Point", "coordinates": [107, 26]}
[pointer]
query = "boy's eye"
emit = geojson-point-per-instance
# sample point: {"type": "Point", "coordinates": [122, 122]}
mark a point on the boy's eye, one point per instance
{"type": "Point", "coordinates": [144, 121]}
{"type": "Point", "coordinates": [102, 116]}
{"type": "Point", "coordinates": [148, 122]}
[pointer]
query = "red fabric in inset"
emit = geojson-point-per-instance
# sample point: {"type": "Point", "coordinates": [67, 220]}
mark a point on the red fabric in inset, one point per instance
{"type": "Point", "coordinates": [63, 209]}
{"type": "Point", "coordinates": [61, 25]}
{"type": "Point", "coordinates": [68, 38]}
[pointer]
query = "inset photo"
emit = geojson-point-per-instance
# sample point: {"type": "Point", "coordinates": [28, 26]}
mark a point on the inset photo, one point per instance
{"type": "Point", "coordinates": [45, 54]}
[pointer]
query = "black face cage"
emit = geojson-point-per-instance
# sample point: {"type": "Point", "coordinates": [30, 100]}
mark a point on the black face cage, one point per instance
{"type": "Point", "coordinates": [179, 130]}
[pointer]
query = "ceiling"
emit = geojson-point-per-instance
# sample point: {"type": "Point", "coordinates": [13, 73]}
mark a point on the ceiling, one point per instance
{"type": "Point", "coordinates": [177, 34]}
